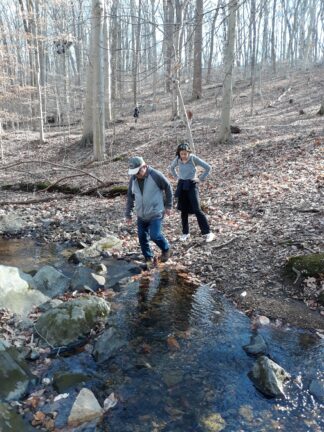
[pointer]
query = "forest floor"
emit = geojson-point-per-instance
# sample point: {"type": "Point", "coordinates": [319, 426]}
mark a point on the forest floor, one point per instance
{"type": "Point", "coordinates": [264, 198]}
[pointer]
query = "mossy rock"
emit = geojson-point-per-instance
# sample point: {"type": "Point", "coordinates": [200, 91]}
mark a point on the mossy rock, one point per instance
{"type": "Point", "coordinates": [62, 381]}
{"type": "Point", "coordinates": [213, 423]}
{"type": "Point", "coordinates": [120, 157]}
{"type": "Point", "coordinates": [116, 191]}
{"type": "Point", "coordinates": [307, 265]}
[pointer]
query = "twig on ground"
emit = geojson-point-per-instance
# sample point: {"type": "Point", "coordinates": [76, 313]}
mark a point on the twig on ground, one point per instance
{"type": "Point", "coordinates": [34, 201]}
{"type": "Point", "coordinates": [298, 273]}
{"type": "Point", "coordinates": [60, 180]}
{"type": "Point", "coordinates": [53, 164]}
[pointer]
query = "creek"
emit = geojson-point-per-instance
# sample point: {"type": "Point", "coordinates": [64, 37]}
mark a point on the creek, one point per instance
{"type": "Point", "coordinates": [181, 364]}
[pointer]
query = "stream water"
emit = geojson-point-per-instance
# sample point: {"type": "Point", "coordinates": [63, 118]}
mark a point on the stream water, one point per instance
{"type": "Point", "coordinates": [181, 366]}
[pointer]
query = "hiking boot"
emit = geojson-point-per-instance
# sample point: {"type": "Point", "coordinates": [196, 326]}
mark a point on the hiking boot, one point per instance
{"type": "Point", "coordinates": [184, 237]}
{"type": "Point", "coordinates": [210, 237]}
{"type": "Point", "coordinates": [165, 255]}
{"type": "Point", "coordinates": [149, 262]}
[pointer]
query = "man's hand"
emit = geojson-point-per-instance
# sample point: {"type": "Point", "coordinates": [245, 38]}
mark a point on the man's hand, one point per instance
{"type": "Point", "coordinates": [167, 212]}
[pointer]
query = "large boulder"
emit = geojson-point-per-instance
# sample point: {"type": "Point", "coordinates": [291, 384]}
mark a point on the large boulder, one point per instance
{"type": "Point", "coordinates": [50, 281]}
{"type": "Point", "coordinates": [17, 291]}
{"type": "Point", "coordinates": [268, 377]}
{"type": "Point", "coordinates": [306, 265]}
{"type": "Point", "coordinates": [72, 320]}
{"type": "Point", "coordinates": [14, 374]}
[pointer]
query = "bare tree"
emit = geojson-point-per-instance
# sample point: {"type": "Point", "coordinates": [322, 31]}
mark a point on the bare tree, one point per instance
{"type": "Point", "coordinates": [225, 128]}
{"type": "Point", "coordinates": [94, 118]}
{"type": "Point", "coordinates": [197, 73]}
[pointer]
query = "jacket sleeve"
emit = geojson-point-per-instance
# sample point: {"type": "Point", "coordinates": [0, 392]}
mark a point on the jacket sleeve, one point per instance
{"type": "Point", "coordinates": [172, 168]}
{"type": "Point", "coordinates": [130, 200]}
{"type": "Point", "coordinates": [164, 184]}
{"type": "Point", "coordinates": [206, 167]}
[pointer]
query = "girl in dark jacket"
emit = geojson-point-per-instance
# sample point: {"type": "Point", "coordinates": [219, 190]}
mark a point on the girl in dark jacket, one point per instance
{"type": "Point", "coordinates": [183, 168]}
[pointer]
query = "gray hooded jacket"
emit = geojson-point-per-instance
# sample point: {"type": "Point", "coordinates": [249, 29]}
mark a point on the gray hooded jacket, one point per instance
{"type": "Point", "coordinates": [149, 204]}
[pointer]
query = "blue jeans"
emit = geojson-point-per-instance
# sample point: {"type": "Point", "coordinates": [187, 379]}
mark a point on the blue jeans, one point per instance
{"type": "Point", "coordinates": [147, 230]}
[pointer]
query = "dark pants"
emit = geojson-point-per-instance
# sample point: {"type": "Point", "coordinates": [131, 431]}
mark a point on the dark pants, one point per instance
{"type": "Point", "coordinates": [190, 205]}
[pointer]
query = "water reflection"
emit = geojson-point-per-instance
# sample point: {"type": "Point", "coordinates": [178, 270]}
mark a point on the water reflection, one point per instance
{"type": "Point", "coordinates": [165, 303]}
{"type": "Point", "coordinates": [28, 255]}
{"type": "Point", "coordinates": [184, 368]}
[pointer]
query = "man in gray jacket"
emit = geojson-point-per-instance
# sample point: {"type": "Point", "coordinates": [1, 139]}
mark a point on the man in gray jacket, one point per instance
{"type": "Point", "coordinates": [146, 190]}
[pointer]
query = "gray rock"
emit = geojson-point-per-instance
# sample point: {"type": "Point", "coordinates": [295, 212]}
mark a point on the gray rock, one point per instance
{"type": "Point", "coordinates": [72, 320]}
{"type": "Point", "coordinates": [269, 377]}
{"type": "Point", "coordinates": [104, 245]}
{"type": "Point", "coordinates": [85, 408]}
{"type": "Point", "coordinates": [107, 344]}
{"type": "Point", "coordinates": [50, 281]}
{"type": "Point", "coordinates": [85, 278]}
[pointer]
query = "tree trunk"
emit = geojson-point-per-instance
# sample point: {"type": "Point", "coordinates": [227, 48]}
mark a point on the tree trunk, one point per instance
{"type": "Point", "coordinates": [154, 54]}
{"type": "Point", "coordinates": [98, 83]}
{"type": "Point", "coordinates": [107, 68]}
{"type": "Point", "coordinates": [197, 78]}
{"type": "Point", "coordinates": [273, 40]}
{"type": "Point", "coordinates": [168, 22]}
{"type": "Point", "coordinates": [94, 116]}
{"type": "Point", "coordinates": [225, 129]}
{"type": "Point", "coordinates": [253, 54]}
{"type": "Point", "coordinates": [211, 50]}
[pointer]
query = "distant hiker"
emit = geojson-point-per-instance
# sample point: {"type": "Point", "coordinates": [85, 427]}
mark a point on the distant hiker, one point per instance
{"type": "Point", "coordinates": [136, 113]}
{"type": "Point", "coordinates": [183, 168]}
{"type": "Point", "coordinates": [147, 188]}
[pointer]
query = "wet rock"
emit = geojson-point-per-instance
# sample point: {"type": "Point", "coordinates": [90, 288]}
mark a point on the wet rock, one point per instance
{"type": "Point", "coordinates": [15, 376]}
{"type": "Point", "coordinates": [85, 408]}
{"type": "Point", "coordinates": [256, 346]}
{"type": "Point", "coordinates": [71, 320]}
{"type": "Point", "coordinates": [11, 421]}
{"type": "Point", "coordinates": [316, 388]}
{"type": "Point", "coordinates": [172, 377]}
{"type": "Point", "coordinates": [262, 320]}
{"type": "Point", "coordinates": [268, 377]}
{"type": "Point", "coordinates": [17, 291]}
{"type": "Point", "coordinates": [62, 381]}
{"type": "Point", "coordinates": [107, 344]}
{"type": "Point", "coordinates": [85, 279]}
{"type": "Point", "coordinates": [50, 281]}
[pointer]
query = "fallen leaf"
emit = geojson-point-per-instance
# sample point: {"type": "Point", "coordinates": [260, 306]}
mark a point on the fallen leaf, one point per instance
{"type": "Point", "coordinates": [173, 343]}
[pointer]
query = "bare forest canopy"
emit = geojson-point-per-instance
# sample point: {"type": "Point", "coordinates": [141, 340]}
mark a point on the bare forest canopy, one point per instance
{"type": "Point", "coordinates": [65, 62]}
